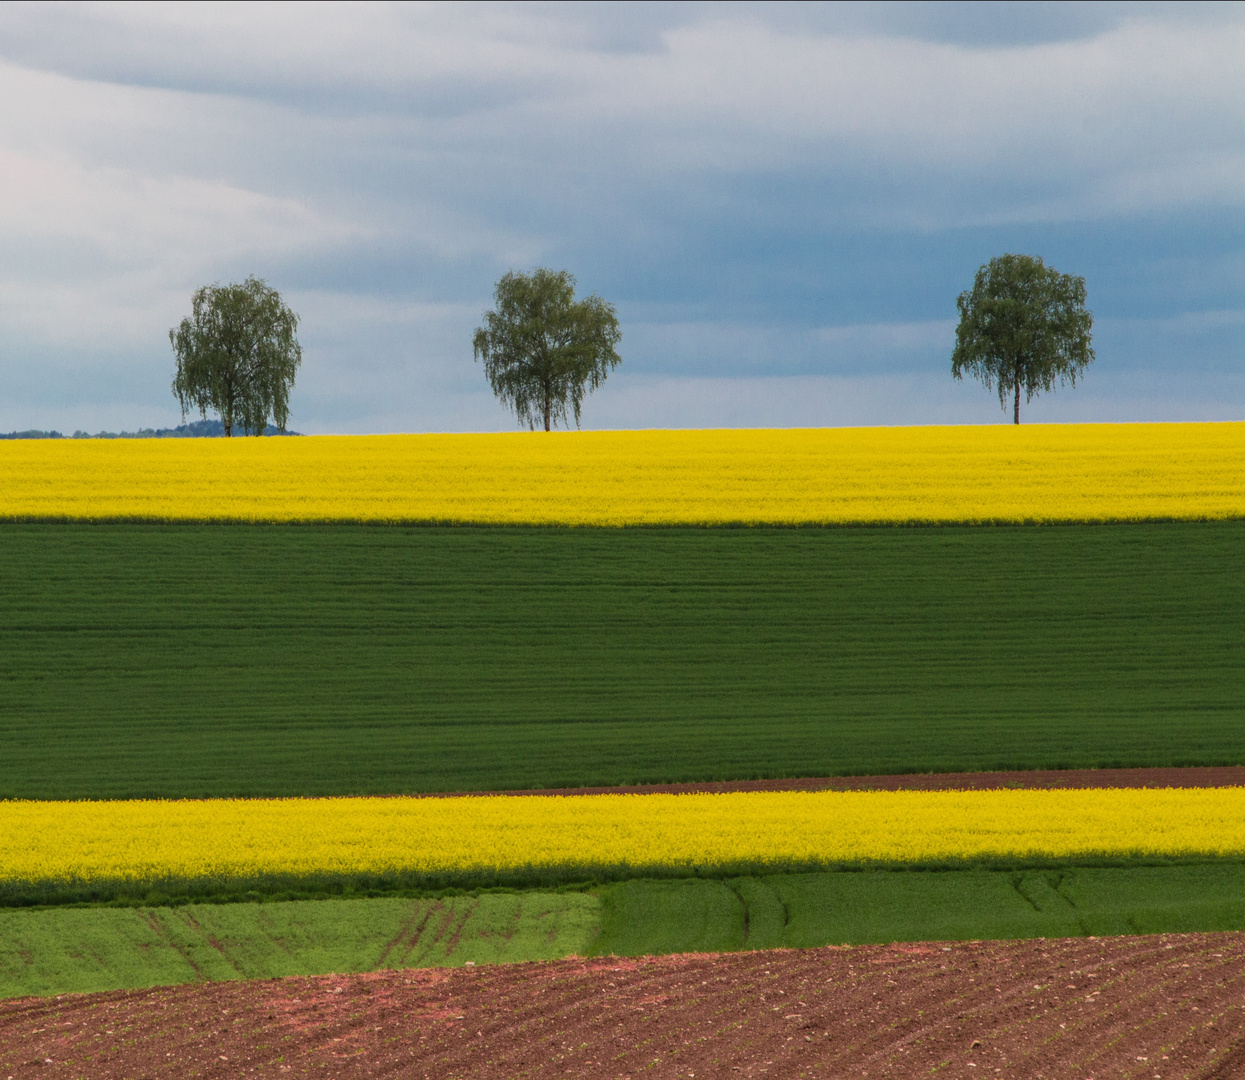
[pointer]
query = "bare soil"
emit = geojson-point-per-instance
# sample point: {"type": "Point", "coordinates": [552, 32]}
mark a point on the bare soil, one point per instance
{"type": "Point", "coordinates": [1159, 1006]}
{"type": "Point", "coordinates": [1193, 777]}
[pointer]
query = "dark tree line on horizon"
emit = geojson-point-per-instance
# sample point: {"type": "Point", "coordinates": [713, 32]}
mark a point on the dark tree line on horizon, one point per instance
{"type": "Point", "coordinates": [196, 429]}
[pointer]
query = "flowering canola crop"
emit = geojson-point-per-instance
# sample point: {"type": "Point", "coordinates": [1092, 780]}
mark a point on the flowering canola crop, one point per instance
{"type": "Point", "coordinates": [140, 841]}
{"type": "Point", "coordinates": [1001, 473]}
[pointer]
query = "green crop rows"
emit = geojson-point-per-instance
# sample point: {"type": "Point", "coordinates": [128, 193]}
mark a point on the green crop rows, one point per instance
{"type": "Point", "coordinates": [804, 910]}
{"type": "Point", "coordinates": [202, 660]}
{"type": "Point", "coordinates": [58, 950]}
{"type": "Point", "coordinates": [209, 660]}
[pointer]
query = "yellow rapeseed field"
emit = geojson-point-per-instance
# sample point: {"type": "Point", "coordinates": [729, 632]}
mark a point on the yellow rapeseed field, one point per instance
{"type": "Point", "coordinates": [152, 840]}
{"type": "Point", "coordinates": [1000, 473]}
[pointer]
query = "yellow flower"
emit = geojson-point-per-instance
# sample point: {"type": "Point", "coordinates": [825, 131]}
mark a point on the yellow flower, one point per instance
{"type": "Point", "coordinates": [152, 840]}
{"type": "Point", "coordinates": [1000, 473]}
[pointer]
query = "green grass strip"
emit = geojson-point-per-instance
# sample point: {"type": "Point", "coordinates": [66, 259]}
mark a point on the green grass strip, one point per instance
{"type": "Point", "coordinates": [805, 910]}
{"type": "Point", "coordinates": [233, 660]}
{"type": "Point", "coordinates": [59, 950]}
{"type": "Point", "coordinates": [176, 892]}
{"type": "Point", "coordinates": [64, 950]}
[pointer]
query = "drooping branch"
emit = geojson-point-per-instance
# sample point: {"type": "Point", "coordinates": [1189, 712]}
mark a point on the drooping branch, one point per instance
{"type": "Point", "coordinates": [542, 350]}
{"type": "Point", "coordinates": [238, 354]}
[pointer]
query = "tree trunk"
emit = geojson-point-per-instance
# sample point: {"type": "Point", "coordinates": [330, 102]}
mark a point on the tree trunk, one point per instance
{"type": "Point", "coordinates": [548, 410]}
{"type": "Point", "coordinates": [1016, 414]}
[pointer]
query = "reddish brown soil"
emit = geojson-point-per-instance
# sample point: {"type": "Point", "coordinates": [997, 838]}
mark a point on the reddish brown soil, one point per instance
{"type": "Point", "coordinates": [1161, 1006]}
{"type": "Point", "coordinates": [1218, 776]}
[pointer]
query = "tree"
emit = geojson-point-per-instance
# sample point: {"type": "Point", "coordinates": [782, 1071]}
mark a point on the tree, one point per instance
{"type": "Point", "coordinates": [1022, 326]}
{"type": "Point", "coordinates": [543, 350]}
{"type": "Point", "coordinates": [237, 354]}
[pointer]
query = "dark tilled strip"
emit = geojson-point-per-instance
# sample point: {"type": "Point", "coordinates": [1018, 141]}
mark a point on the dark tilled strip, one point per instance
{"type": "Point", "coordinates": [1164, 1005]}
{"type": "Point", "coordinates": [1193, 777]}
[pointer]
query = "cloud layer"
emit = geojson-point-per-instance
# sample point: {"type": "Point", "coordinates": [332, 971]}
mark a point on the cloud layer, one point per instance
{"type": "Point", "coordinates": [782, 200]}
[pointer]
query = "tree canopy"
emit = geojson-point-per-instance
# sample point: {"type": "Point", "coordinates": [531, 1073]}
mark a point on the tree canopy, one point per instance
{"type": "Point", "coordinates": [1023, 326]}
{"type": "Point", "coordinates": [542, 349]}
{"type": "Point", "coordinates": [237, 354]}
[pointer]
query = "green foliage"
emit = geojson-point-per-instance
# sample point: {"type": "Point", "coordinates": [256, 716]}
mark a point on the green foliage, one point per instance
{"type": "Point", "coordinates": [251, 660]}
{"type": "Point", "coordinates": [806, 910]}
{"type": "Point", "coordinates": [33, 433]}
{"type": "Point", "coordinates": [647, 917]}
{"type": "Point", "coordinates": [766, 914]}
{"type": "Point", "coordinates": [63, 950]}
{"type": "Point", "coordinates": [237, 354]}
{"type": "Point", "coordinates": [194, 430]}
{"type": "Point", "coordinates": [271, 888]}
{"type": "Point", "coordinates": [542, 350]}
{"type": "Point", "coordinates": [968, 904]}
{"type": "Point", "coordinates": [1022, 326]}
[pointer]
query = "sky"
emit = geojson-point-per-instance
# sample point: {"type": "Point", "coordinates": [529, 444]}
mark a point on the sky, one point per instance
{"type": "Point", "coordinates": [783, 201]}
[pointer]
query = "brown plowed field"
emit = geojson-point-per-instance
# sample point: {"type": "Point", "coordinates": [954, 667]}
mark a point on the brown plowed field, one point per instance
{"type": "Point", "coordinates": [1162, 1006]}
{"type": "Point", "coordinates": [1193, 777]}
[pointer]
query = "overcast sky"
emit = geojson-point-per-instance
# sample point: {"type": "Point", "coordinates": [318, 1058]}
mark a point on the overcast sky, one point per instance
{"type": "Point", "coordinates": [783, 201]}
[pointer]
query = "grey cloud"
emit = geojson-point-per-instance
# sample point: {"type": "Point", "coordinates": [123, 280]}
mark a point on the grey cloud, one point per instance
{"type": "Point", "coordinates": [768, 192]}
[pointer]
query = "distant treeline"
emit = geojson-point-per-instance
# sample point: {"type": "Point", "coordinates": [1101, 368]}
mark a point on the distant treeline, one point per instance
{"type": "Point", "coordinates": [200, 429]}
